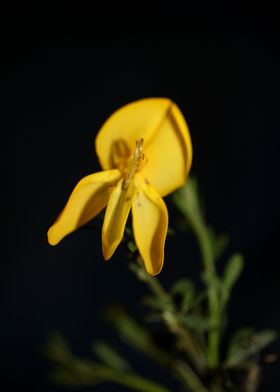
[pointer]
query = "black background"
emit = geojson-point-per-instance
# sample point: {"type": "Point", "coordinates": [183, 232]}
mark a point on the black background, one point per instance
{"type": "Point", "coordinates": [59, 82]}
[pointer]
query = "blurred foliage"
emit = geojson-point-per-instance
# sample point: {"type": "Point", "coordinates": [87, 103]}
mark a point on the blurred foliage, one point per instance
{"type": "Point", "coordinates": [193, 320]}
{"type": "Point", "coordinates": [245, 344]}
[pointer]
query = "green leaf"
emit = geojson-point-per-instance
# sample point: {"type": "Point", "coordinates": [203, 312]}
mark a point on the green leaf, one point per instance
{"type": "Point", "coordinates": [220, 244]}
{"type": "Point", "coordinates": [57, 348]}
{"type": "Point", "coordinates": [64, 377]}
{"type": "Point", "coordinates": [233, 270]}
{"type": "Point", "coordinates": [184, 288]}
{"type": "Point", "coordinates": [132, 246]}
{"type": "Point", "coordinates": [231, 274]}
{"type": "Point", "coordinates": [128, 231]}
{"type": "Point", "coordinates": [154, 303]}
{"type": "Point", "coordinates": [109, 356]}
{"type": "Point", "coordinates": [245, 343]}
{"type": "Point", "coordinates": [135, 334]}
{"type": "Point", "coordinates": [86, 371]}
{"type": "Point", "coordinates": [196, 322]}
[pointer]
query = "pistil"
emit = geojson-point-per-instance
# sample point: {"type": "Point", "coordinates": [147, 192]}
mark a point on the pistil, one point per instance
{"type": "Point", "coordinates": [134, 163]}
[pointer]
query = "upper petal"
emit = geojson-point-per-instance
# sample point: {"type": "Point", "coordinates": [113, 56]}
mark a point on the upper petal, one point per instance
{"type": "Point", "coordinates": [88, 198]}
{"type": "Point", "coordinates": [167, 143]}
{"type": "Point", "coordinates": [150, 223]}
{"type": "Point", "coordinates": [139, 119]}
{"type": "Point", "coordinates": [115, 218]}
{"type": "Point", "coordinates": [168, 153]}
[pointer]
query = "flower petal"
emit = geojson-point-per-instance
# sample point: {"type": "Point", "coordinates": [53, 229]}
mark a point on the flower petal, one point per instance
{"type": "Point", "coordinates": [169, 153]}
{"type": "Point", "coordinates": [115, 218]}
{"type": "Point", "coordinates": [150, 223]}
{"type": "Point", "coordinates": [88, 198]}
{"type": "Point", "coordinates": [140, 119]}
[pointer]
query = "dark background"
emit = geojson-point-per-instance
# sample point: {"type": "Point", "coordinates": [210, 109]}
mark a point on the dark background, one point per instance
{"type": "Point", "coordinates": [59, 82]}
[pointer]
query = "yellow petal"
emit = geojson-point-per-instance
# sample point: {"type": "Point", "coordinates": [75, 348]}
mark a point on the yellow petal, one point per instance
{"type": "Point", "coordinates": [169, 153]}
{"type": "Point", "coordinates": [88, 198]}
{"type": "Point", "coordinates": [150, 223]}
{"type": "Point", "coordinates": [115, 218]}
{"type": "Point", "coordinates": [141, 119]}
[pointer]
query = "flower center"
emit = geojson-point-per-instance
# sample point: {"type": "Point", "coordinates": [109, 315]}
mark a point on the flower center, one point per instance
{"type": "Point", "coordinates": [138, 156]}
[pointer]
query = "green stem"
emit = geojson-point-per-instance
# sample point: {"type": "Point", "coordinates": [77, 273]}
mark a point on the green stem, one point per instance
{"type": "Point", "coordinates": [187, 201]}
{"type": "Point", "coordinates": [189, 377]}
{"type": "Point", "coordinates": [253, 378]}
{"type": "Point", "coordinates": [200, 231]}
{"type": "Point", "coordinates": [187, 343]}
{"type": "Point", "coordinates": [156, 287]}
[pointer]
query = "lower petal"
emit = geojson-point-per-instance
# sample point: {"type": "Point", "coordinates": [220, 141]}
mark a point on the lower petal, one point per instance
{"type": "Point", "coordinates": [88, 198]}
{"type": "Point", "coordinates": [150, 223]}
{"type": "Point", "coordinates": [115, 218]}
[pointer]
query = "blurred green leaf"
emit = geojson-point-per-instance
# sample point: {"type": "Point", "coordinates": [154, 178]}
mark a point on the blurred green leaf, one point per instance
{"type": "Point", "coordinates": [57, 348]}
{"type": "Point", "coordinates": [241, 337]}
{"type": "Point", "coordinates": [131, 331]}
{"type": "Point", "coordinates": [73, 371]}
{"type": "Point", "coordinates": [132, 246]}
{"type": "Point", "coordinates": [233, 270]}
{"type": "Point", "coordinates": [196, 322]}
{"type": "Point", "coordinates": [109, 356]}
{"type": "Point", "coordinates": [154, 303]}
{"type": "Point", "coordinates": [88, 372]}
{"type": "Point", "coordinates": [63, 376]}
{"type": "Point", "coordinates": [220, 244]}
{"type": "Point", "coordinates": [136, 335]}
{"type": "Point", "coordinates": [82, 372]}
{"type": "Point", "coordinates": [183, 288]}
{"type": "Point", "coordinates": [245, 343]}
{"type": "Point", "coordinates": [128, 231]}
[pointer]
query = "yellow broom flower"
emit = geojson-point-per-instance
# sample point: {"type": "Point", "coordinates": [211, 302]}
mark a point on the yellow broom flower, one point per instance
{"type": "Point", "coordinates": [145, 151]}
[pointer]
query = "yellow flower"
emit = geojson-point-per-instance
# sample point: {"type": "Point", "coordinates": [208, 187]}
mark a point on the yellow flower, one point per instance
{"type": "Point", "coordinates": [145, 151]}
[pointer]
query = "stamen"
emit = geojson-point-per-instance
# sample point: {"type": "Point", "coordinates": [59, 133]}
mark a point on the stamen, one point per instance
{"type": "Point", "coordinates": [134, 163]}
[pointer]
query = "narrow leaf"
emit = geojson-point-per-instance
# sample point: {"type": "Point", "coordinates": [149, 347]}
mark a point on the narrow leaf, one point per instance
{"type": "Point", "coordinates": [132, 246]}
{"type": "Point", "coordinates": [245, 344]}
{"type": "Point", "coordinates": [57, 348]}
{"type": "Point", "coordinates": [233, 270]}
{"type": "Point", "coordinates": [221, 242]}
{"type": "Point", "coordinates": [183, 288]}
{"type": "Point", "coordinates": [196, 322]}
{"type": "Point", "coordinates": [109, 356]}
{"type": "Point", "coordinates": [135, 334]}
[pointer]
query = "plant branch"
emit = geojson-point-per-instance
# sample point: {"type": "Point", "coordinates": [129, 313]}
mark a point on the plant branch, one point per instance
{"type": "Point", "coordinates": [186, 199]}
{"type": "Point", "coordinates": [170, 316]}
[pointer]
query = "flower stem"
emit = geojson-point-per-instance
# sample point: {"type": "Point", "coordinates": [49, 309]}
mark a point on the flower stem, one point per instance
{"type": "Point", "coordinates": [200, 231]}
{"type": "Point", "coordinates": [187, 201]}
